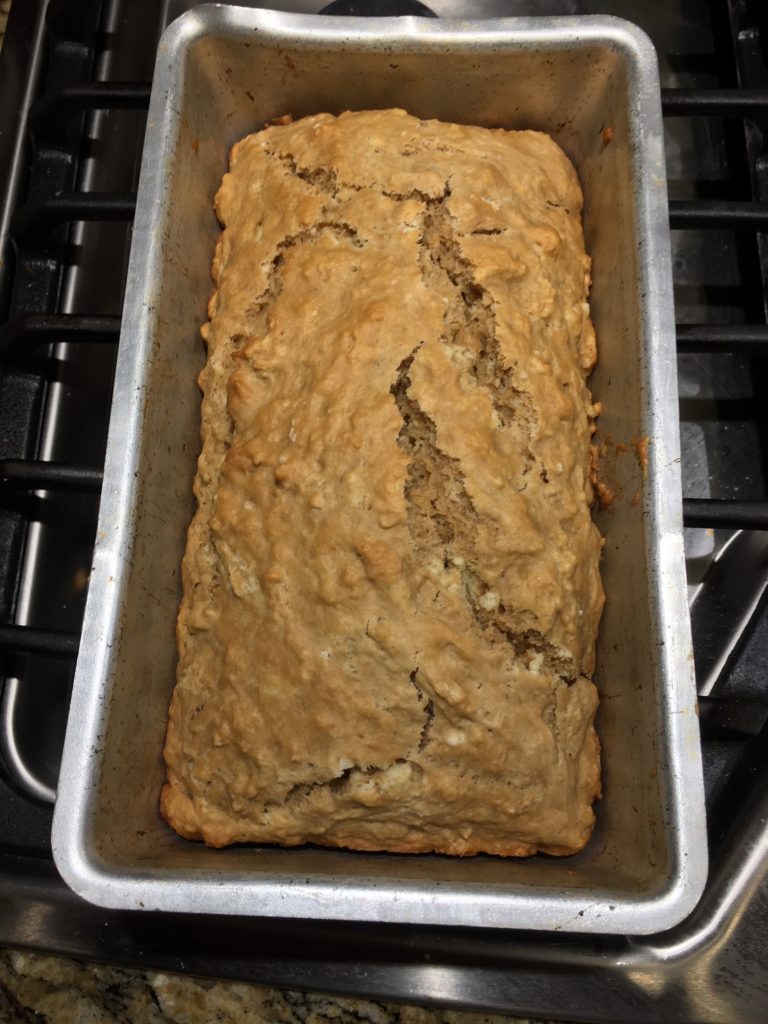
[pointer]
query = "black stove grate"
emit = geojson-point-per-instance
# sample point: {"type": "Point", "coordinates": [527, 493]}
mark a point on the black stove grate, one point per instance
{"type": "Point", "coordinates": [49, 485]}
{"type": "Point", "coordinates": [58, 339]}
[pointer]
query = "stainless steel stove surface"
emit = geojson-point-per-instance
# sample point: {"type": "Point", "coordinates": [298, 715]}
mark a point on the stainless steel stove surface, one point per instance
{"type": "Point", "coordinates": [74, 80]}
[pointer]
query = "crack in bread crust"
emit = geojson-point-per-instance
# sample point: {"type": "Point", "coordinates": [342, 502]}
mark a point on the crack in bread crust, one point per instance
{"type": "Point", "coordinates": [321, 177]}
{"type": "Point", "coordinates": [470, 323]}
{"type": "Point", "coordinates": [439, 506]}
{"type": "Point", "coordinates": [440, 517]}
{"type": "Point", "coordinates": [274, 287]}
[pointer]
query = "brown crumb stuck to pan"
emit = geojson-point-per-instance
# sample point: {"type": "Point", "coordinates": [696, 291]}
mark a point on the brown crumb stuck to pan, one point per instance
{"type": "Point", "coordinates": [641, 450]}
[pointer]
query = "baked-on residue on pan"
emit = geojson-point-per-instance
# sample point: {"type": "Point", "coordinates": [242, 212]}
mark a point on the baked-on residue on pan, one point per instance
{"type": "Point", "coordinates": [391, 584]}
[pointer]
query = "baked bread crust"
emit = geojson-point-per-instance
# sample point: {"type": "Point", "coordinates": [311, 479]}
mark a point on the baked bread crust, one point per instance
{"type": "Point", "coordinates": [391, 584]}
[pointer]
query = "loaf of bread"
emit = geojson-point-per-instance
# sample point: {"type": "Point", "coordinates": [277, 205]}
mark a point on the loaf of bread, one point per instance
{"type": "Point", "coordinates": [391, 584]}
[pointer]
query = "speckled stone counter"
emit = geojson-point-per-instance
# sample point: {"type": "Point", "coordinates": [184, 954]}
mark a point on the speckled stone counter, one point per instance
{"type": "Point", "coordinates": [49, 990]}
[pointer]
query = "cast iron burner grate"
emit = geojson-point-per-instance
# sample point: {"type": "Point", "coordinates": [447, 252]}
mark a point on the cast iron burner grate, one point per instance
{"type": "Point", "coordinates": [75, 89]}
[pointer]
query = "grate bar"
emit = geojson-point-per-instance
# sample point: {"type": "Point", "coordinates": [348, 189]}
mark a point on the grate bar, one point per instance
{"type": "Point", "coordinates": [719, 513]}
{"type": "Point", "coordinates": [33, 223]}
{"type": "Point", "coordinates": [711, 213]}
{"type": "Point", "coordinates": [28, 640]}
{"type": "Point", "coordinates": [32, 475]}
{"type": "Point", "coordinates": [51, 115]}
{"type": "Point", "coordinates": [726, 719]}
{"type": "Point", "coordinates": [737, 103]}
{"type": "Point", "coordinates": [26, 333]}
{"type": "Point", "coordinates": [751, 338]}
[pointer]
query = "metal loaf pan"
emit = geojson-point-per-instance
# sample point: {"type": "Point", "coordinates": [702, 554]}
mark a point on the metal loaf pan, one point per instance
{"type": "Point", "coordinates": [221, 73]}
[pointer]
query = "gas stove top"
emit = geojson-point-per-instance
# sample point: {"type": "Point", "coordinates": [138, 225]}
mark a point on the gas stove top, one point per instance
{"type": "Point", "coordinates": [74, 77]}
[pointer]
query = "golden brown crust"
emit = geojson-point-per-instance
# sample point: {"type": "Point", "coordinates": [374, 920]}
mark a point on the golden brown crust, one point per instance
{"type": "Point", "coordinates": [391, 585]}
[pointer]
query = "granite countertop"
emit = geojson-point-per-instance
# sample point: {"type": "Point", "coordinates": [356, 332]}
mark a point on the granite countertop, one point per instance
{"type": "Point", "coordinates": [51, 990]}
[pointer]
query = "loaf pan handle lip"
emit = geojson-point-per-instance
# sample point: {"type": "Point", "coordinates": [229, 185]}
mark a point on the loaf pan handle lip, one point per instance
{"type": "Point", "coordinates": [78, 863]}
{"type": "Point", "coordinates": [310, 30]}
{"type": "Point", "coordinates": [405, 902]}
